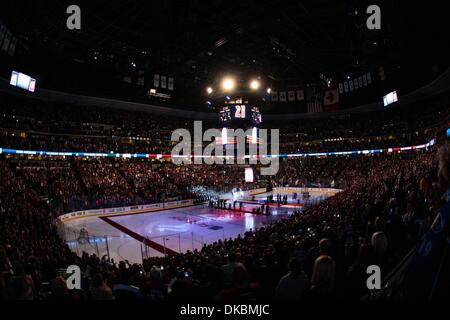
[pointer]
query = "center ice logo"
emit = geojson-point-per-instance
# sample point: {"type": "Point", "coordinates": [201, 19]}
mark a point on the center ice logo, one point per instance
{"type": "Point", "coordinates": [214, 152]}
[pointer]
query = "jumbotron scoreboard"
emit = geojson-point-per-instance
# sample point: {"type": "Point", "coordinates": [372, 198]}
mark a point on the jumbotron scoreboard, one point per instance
{"type": "Point", "coordinates": [240, 110]}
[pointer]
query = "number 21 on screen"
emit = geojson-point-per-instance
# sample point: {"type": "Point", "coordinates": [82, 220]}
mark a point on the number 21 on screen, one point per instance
{"type": "Point", "coordinates": [240, 112]}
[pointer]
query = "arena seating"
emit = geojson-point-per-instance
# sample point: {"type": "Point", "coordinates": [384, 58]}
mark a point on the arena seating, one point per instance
{"type": "Point", "coordinates": [388, 203]}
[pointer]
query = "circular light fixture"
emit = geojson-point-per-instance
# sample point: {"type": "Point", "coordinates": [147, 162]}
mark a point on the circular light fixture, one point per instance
{"type": "Point", "coordinates": [209, 90]}
{"type": "Point", "coordinates": [228, 84]}
{"type": "Point", "coordinates": [254, 85]}
{"type": "Point", "coordinates": [269, 90]}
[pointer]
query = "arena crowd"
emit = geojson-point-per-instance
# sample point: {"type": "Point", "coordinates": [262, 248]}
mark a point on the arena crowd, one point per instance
{"type": "Point", "coordinates": [388, 203]}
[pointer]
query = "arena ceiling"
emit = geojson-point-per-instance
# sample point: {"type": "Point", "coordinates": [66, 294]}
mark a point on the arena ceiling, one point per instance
{"type": "Point", "coordinates": [196, 41]}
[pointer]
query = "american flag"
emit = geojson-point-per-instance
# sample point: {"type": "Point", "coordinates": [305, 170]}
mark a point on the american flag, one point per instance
{"type": "Point", "coordinates": [314, 106]}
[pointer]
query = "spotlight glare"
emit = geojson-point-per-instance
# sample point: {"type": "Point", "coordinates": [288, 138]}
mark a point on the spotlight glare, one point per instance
{"type": "Point", "coordinates": [209, 90]}
{"type": "Point", "coordinates": [228, 84]}
{"type": "Point", "coordinates": [269, 90]}
{"type": "Point", "coordinates": [254, 85]}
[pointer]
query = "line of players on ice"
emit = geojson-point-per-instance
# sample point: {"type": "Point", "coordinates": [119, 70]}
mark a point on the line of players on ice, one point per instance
{"type": "Point", "coordinates": [264, 209]}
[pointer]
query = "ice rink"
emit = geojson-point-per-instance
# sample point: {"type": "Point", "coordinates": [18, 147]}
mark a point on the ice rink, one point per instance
{"type": "Point", "coordinates": [137, 236]}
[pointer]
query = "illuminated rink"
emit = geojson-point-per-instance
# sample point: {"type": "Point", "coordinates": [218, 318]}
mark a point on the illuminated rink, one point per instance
{"type": "Point", "coordinates": [137, 236]}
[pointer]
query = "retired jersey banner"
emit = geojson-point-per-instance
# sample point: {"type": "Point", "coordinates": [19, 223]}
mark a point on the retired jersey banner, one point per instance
{"type": "Point", "coordinates": [369, 78]}
{"type": "Point", "coordinates": [163, 82]}
{"type": "Point", "coordinates": [156, 81]}
{"type": "Point", "coordinates": [300, 95]}
{"type": "Point", "coordinates": [274, 96]}
{"type": "Point", "coordinates": [291, 96]}
{"type": "Point", "coordinates": [283, 96]}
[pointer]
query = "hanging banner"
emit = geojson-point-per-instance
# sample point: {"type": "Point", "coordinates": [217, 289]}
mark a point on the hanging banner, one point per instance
{"type": "Point", "coordinates": [274, 96]}
{"type": "Point", "coordinates": [171, 83]}
{"type": "Point", "coordinates": [291, 96]}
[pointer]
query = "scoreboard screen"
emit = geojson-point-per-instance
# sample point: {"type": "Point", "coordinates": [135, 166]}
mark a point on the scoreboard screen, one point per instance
{"type": "Point", "coordinates": [234, 112]}
{"type": "Point", "coordinates": [23, 81]}
{"type": "Point", "coordinates": [239, 111]}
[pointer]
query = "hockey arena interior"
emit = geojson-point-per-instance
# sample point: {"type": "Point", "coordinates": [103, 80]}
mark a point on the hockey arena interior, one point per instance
{"type": "Point", "coordinates": [348, 101]}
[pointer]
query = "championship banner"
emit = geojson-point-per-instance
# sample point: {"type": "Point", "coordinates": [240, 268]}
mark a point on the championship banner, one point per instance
{"type": "Point", "coordinates": [163, 82]}
{"type": "Point", "coordinates": [283, 96]}
{"type": "Point", "coordinates": [156, 81]}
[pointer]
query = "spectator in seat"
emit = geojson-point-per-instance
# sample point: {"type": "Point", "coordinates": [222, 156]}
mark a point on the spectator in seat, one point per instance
{"type": "Point", "coordinates": [326, 247]}
{"type": "Point", "coordinates": [242, 289]}
{"type": "Point", "coordinates": [355, 284]}
{"type": "Point", "coordinates": [379, 244]}
{"type": "Point", "coordinates": [100, 290]}
{"type": "Point", "coordinates": [294, 285]}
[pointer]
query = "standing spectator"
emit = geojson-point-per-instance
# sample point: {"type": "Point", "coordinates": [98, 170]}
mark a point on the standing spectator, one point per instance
{"type": "Point", "coordinates": [228, 268]}
{"type": "Point", "coordinates": [323, 278]}
{"type": "Point", "coordinates": [294, 285]}
{"type": "Point", "coordinates": [100, 290]}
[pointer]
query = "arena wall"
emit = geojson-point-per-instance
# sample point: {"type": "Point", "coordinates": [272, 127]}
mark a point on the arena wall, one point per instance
{"type": "Point", "coordinates": [123, 210]}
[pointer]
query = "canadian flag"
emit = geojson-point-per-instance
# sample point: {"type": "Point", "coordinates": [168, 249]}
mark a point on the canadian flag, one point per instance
{"type": "Point", "coordinates": [331, 100]}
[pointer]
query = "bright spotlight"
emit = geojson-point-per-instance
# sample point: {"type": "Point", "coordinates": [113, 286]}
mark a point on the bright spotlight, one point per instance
{"type": "Point", "coordinates": [209, 90]}
{"type": "Point", "coordinates": [269, 90]}
{"type": "Point", "coordinates": [254, 85]}
{"type": "Point", "coordinates": [228, 84]}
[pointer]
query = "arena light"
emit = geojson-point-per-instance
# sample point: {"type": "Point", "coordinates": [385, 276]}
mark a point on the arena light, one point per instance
{"type": "Point", "coordinates": [249, 177]}
{"type": "Point", "coordinates": [224, 136]}
{"type": "Point", "coordinates": [269, 90]}
{"type": "Point", "coordinates": [228, 84]}
{"type": "Point", "coordinates": [209, 90]}
{"type": "Point", "coordinates": [255, 135]}
{"type": "Point", "coordinates": [255, 84]}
